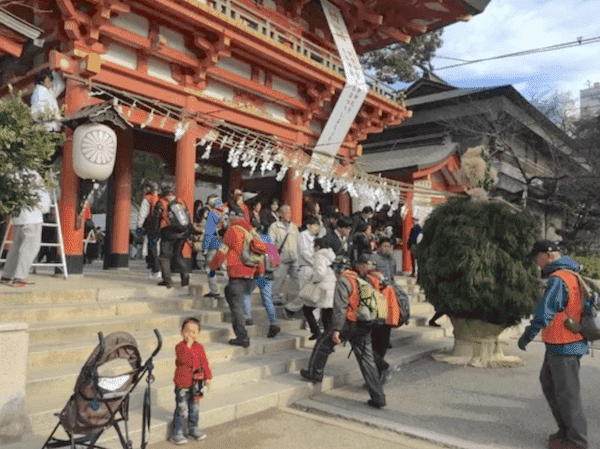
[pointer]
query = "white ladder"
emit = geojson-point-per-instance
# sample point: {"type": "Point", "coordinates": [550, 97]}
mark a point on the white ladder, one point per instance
{"type": "Point", "coordinates": [63, 260]}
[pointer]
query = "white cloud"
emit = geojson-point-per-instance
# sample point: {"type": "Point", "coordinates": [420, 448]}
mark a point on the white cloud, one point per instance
{"type": "Point", "coordinates": [508, 26]}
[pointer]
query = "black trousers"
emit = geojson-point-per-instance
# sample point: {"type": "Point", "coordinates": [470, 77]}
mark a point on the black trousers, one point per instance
{"type": "Point", "coordinates": [170, 256]}
{"type": "Point", "coordinates": [560, 383]}
{"type": "Point", "coordinates": [234, 294]}
{"type": "Point", "coordinates": [380, 336]}
{"type": "Point", "coordinates": [326, 317]}
{"type": "Point", "coordinates": [152, 258]}
{"type": "Point", "coordinates": [359, 337]}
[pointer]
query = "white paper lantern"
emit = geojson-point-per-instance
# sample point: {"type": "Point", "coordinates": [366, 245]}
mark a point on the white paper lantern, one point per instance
{"type": "Point", "coordinates": [94, 151]}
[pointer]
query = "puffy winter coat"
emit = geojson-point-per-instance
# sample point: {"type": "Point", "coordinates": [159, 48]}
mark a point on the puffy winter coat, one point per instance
{"type": "Point", "coordinates": [323, 275]}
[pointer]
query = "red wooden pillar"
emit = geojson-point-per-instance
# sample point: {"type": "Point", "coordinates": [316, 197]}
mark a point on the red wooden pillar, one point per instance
{"type": "Point", "coordinates": [122, 203]}
{"type": "Point", "coordinates": [344, 203]}
{"type": "Point", "coordinates": [292, 195]}
{"type": "Point", "coordinates": [232, 179]}
{"type": "Point", "coordinates": [75, 97]}
{"type": "Point", "coordinates": [406, 227]}
{"type": "Point", "coordinates": [185, 176]}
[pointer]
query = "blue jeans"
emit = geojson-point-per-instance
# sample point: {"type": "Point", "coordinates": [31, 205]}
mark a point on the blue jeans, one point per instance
{"type": "Point", "coordinates": [187, 410]}
{"type": "Point", "coordinates": [265, 286]}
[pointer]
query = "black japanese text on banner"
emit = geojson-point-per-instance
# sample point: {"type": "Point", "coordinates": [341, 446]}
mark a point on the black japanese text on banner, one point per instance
{"type": "Point", "coordinates": [352, 96]}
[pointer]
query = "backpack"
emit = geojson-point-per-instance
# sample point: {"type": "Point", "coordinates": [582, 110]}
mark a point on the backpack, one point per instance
{"type": "Point", "coordinates": [251, 255]}
{"type": "Point", "coordinates": [373, 305]}
{"type": "Point", "coordinates": [179, 218]}
{"type": "Point", "coordinates": [590, 318]}
{"type": "Point", "coordinates": [398, 305]}
{"type": "Point", "coordinates": [272, 259]}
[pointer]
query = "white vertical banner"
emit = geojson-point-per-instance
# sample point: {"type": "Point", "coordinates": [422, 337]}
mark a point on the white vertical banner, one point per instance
{"type": "Point", "coordinates": [352, 96]}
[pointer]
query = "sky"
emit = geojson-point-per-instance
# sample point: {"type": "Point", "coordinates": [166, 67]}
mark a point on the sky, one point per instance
{"type": "Point", "coordinates": [508, 26]}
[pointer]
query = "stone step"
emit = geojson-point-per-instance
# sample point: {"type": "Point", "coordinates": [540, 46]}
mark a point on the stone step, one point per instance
{"type": "Point", "coordinates": [34, 313]}
{"type": "Point", "coordinates": [57, 331]}
{"type": "Point", "coordinates": [47, 395]}
{"type": "Point", "coordinates": [79, 330]}
{"type": "Point", "coordinates": [92, 295]}
{"type": "Point", "coordinates": [252, 383]}
{"type": "Point", "coordinates": [43, 379]}
{"type": "Point", "coordinates": [44, 354]}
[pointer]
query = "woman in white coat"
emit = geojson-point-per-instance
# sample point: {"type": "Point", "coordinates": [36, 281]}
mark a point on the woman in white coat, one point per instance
{"type": "Point", "coordinates": [324, 277]}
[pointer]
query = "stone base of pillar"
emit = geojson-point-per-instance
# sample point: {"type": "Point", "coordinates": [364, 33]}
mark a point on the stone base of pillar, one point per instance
{"type": "Point", "coordinates": [117, 261]}
{"type": "Point", "coordinates": [14, 421]}
{"type": "Point", "coordinates": [74, 264]}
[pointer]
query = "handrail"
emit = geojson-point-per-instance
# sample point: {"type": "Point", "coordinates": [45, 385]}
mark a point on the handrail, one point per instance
{"type": "Point", "coordinates": [273, 31]}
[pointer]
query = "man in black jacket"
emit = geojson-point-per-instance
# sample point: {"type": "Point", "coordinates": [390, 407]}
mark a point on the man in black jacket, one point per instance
{"type": "Point", "coordinates": [172, 239]}
{"type": "Point", "coordinates": [338, 238]}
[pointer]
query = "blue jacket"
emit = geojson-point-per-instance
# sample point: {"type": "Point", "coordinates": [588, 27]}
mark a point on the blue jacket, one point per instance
{"type": "Point", "coordinates": [211, 239]}
{"type": "Point", "coordinates": [555, 299]}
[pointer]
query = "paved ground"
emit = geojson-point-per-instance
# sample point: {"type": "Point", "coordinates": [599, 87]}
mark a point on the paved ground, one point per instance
{"type": "Point", "coordinates": [468, 407]}
{"type": "Point", "coordinates": [292, 429]}
{"type": "Point", "coordinates": [448, 406]}
{"type": "Point", "coordinates": [430, 405]}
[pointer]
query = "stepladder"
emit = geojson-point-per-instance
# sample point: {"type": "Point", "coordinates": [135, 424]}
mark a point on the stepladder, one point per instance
{"type": "Point", "coordinates": [52, 248]}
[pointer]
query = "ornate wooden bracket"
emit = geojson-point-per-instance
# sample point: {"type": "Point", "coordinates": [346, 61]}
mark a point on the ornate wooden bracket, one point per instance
{"type": "Point", "coordinates": [291, 8]}
{"type": "Point", "coordinates": [369, 120]}
{"type": "Point", "coordinates": [77, 22]}
{"type": "Point", "coordinates": [104, 11]}
{"type": "Point", "coordinates": [319, 96]}
{"type": "Point", "coordinates": [213, 50]}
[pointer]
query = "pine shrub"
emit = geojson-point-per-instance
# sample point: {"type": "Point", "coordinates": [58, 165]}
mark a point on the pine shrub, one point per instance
{"type": "Point", "coordinates": [472, 261]}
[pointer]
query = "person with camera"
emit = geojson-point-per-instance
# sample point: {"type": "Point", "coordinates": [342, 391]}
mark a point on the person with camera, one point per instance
{"type": "Point", "coordinates": [192, 373]}
{"type": "Point", "coordinates": [564, 347]}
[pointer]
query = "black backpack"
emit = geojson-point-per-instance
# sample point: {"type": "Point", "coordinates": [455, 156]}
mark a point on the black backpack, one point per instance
{"type": "Point", "coordinates": [404, 302]}
{"type": "Point", "coordinates": [179, 216]}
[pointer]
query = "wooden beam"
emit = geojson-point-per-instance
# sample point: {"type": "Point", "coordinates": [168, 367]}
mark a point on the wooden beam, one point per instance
{"type": "Point", "coordinates": [11, 47]}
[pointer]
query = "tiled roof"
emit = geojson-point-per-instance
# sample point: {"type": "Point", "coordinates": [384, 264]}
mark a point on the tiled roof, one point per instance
{"type": "Point", "coordinates": [420, 157]}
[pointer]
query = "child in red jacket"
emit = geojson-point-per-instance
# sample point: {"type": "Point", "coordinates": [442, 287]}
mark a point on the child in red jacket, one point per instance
{"type": "Point", "coordinates": [191, 373]}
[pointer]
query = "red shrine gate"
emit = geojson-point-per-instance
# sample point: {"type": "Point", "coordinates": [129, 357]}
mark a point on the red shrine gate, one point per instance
{"type": "Point", "coordinates": [240, 82]}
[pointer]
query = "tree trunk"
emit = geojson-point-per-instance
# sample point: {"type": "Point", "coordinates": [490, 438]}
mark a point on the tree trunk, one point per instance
{"type": "Point", "coordinates": [476, 344]}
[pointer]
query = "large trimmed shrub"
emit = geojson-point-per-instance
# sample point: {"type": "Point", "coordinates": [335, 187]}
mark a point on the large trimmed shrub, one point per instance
{"type": "Point", "coordinates": [472, 261]}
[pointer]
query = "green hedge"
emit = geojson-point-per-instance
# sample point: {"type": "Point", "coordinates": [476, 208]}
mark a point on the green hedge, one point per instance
{"type": "Point", "coordinates": [591, 264]}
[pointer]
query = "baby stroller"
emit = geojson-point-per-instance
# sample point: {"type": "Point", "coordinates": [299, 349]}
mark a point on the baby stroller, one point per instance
{"type": "Point", "coordinates": [102, 401]}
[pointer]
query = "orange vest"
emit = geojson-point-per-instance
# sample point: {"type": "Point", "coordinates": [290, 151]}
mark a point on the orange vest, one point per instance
{"type": "Point", "coordinates": [556, 333]}
{"type": "Point", "coordinates": [152, 199]}
{"type": "Point", "coordinates": [354, 298]}
{"type": "Point", "coordinates": [165, 221]}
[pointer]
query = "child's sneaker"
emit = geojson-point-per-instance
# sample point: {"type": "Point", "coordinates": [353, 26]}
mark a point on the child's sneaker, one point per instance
{"type": "Point", "coordinates": [178, 439]}
{"type": "Point", "coordinates": [197, 435]}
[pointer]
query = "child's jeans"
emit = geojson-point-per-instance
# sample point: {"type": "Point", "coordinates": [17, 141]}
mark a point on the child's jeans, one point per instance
{"type": "Point", "coordinates": [186, 410]}
{"type": "Point", "coordinates": [266, 288]}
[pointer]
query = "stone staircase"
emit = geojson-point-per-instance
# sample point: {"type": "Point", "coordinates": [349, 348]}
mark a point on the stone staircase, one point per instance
{"type": "Point", "coordinates": [63, 330]}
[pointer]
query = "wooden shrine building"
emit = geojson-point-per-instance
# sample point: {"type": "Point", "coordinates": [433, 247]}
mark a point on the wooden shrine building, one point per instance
{"type": "Point", "coordinates": [236, 82]}
{"type": "Point", "coordinates": [527, 149]}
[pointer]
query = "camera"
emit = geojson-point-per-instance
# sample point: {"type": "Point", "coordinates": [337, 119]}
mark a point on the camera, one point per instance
{"type": "Point", "coordinates": [198, 383]}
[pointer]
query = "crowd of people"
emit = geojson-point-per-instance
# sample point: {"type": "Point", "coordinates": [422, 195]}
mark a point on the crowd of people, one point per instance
{"type": "Point", "coordinates": [325, 260]}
